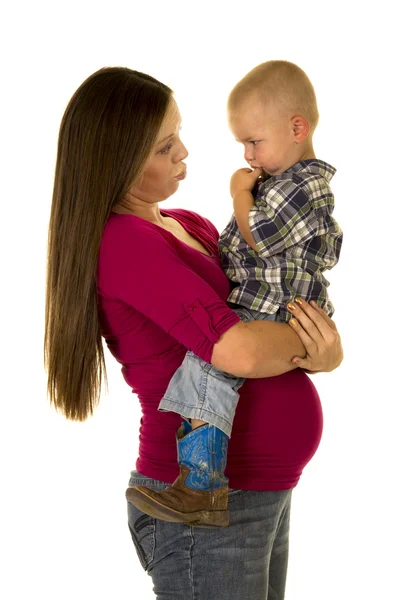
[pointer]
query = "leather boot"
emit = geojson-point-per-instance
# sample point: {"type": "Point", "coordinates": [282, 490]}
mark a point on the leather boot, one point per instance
{"type": "Point", "coordinates": [199, 496]}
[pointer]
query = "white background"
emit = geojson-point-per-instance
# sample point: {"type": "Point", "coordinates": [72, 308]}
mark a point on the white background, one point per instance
{"type": "Point", "coordinates": [63, 525]}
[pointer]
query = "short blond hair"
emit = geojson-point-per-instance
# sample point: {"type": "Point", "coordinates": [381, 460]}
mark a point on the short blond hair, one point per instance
{"type": "Point", "coordinates": [281, 84]}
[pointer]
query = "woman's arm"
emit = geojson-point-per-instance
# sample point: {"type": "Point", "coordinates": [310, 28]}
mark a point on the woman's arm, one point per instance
{"type": "Point", "coordinates": [268, 348]}
{"type": "Point", "coordinates": [138, 267]}
{"type": "Point", "coordinates": [257, 349]}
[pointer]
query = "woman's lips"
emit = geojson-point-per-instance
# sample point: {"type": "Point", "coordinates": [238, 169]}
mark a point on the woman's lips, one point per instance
{"type": "Point", "coordinates": [181, 175]}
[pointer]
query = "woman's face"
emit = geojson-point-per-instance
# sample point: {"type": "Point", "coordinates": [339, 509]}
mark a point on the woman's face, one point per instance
{"type": "Point", "coordinates": [165, 167]}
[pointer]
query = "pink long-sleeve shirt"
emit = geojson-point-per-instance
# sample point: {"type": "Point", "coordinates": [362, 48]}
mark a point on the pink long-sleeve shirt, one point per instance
{"type": "Point", "coordinates": [159, 297]}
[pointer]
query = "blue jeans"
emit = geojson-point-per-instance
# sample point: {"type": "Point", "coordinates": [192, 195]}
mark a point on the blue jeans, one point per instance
{"type": "Point", "coordinates": [198, 390]}
{"type": "Point", "coordinates": [247, 559]}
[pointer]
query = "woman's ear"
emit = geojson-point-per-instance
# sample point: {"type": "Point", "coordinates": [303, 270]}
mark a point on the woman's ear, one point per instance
{"type": "Point", "coordinates": [301, 128]}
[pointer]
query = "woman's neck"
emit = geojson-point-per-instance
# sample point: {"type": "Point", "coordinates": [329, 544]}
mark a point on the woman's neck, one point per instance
{"type": "Point", "coordinates": [149, 212]}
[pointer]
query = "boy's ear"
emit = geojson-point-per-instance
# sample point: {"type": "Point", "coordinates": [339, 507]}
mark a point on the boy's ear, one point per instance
{"type": "Point", "coordinates": [300, 127]}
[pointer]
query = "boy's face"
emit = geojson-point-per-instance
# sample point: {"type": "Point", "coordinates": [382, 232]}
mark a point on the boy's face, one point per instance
{"type": "Point", "coordinates": [267, 136]}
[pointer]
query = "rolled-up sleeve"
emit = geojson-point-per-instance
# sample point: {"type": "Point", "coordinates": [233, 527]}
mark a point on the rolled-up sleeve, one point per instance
{"type": "Point", "coordinates": [145, 272]}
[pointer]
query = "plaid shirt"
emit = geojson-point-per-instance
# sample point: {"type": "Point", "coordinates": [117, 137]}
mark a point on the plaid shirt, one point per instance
{"type": "Point", "coordinates": [296, 236]}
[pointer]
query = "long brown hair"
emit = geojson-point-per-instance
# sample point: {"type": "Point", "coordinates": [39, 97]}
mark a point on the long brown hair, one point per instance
{"type": "Point", "coordinates": [106, 135]}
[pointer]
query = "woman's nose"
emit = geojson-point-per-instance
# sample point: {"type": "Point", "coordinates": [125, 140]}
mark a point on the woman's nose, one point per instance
{"type": "Point", "coordinates": [182, 153]}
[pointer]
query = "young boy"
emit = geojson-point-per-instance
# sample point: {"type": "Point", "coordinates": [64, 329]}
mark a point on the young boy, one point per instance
{"type": "Point", "coordinates": [276, 246]}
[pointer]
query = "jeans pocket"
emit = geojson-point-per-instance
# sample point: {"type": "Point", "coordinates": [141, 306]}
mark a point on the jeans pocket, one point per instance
{"type": "Point", "coordinates": [143, 532]}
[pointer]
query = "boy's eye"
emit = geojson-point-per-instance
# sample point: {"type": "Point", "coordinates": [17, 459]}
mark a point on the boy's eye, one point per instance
{"type": "Point", "coordinates": [254, 142]}
{"type": "Point", "coordinates": [166, 149]}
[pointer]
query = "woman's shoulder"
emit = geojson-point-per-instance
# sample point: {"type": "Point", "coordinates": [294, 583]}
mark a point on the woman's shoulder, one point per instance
{"type": "Point", "coordinates": [123, 225]}
{"type": "Point", "coordinates": [126, 235]}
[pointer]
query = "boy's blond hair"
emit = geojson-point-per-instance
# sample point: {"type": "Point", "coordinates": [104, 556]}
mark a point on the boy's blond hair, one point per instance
{"type": "Point", "coordinates": [281, 85]}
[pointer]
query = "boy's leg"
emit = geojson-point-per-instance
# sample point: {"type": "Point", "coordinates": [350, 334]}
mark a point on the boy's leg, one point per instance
{"type": "Point", "coordinates": [199, 495]}
{"type": "Point", "coordinates": [200, 391]}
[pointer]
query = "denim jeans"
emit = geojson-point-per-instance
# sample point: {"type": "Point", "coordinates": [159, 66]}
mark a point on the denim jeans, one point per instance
{"type": "Point", "coordinates": [246, 560]}
{"type": "Point", "coordinates": [198, 390]}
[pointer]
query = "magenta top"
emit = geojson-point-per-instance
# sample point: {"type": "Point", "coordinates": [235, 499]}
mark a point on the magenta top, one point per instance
{"type": "Point", "coordinates": [159, 297]}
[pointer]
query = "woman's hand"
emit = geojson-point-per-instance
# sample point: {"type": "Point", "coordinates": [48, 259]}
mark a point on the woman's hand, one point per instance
{"type": "Point", "coordinates": [319, 335]}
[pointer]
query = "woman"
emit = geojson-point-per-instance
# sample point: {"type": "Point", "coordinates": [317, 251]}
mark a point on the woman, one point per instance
{"type": "Point", "coordinates": [150, 282]}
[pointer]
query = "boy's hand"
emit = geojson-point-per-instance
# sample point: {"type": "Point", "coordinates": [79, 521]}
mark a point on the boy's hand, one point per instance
{"type": "Point", "coordinates": [244, 180]}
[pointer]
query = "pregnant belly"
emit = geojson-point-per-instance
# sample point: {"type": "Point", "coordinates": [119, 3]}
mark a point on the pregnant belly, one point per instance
{"type": "Point", "coordinates": [276, 431]}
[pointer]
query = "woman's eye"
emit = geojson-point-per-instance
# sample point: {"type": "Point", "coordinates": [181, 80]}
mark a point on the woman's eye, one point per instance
{"type": "Point", "coordinates": [166, 149]}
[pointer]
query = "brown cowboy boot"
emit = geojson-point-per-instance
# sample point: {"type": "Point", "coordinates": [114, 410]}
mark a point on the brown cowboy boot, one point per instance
{"type": "Point", "coordinates": [199, 496]}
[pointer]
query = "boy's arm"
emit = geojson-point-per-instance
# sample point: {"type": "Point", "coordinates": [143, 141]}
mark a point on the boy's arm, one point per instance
{"type": "Point", "coordinates": [242, 203]}
{"type": "Point", "coordinates": [285, 217]}
{"type": "Point", "coordinates": [242, 182]}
